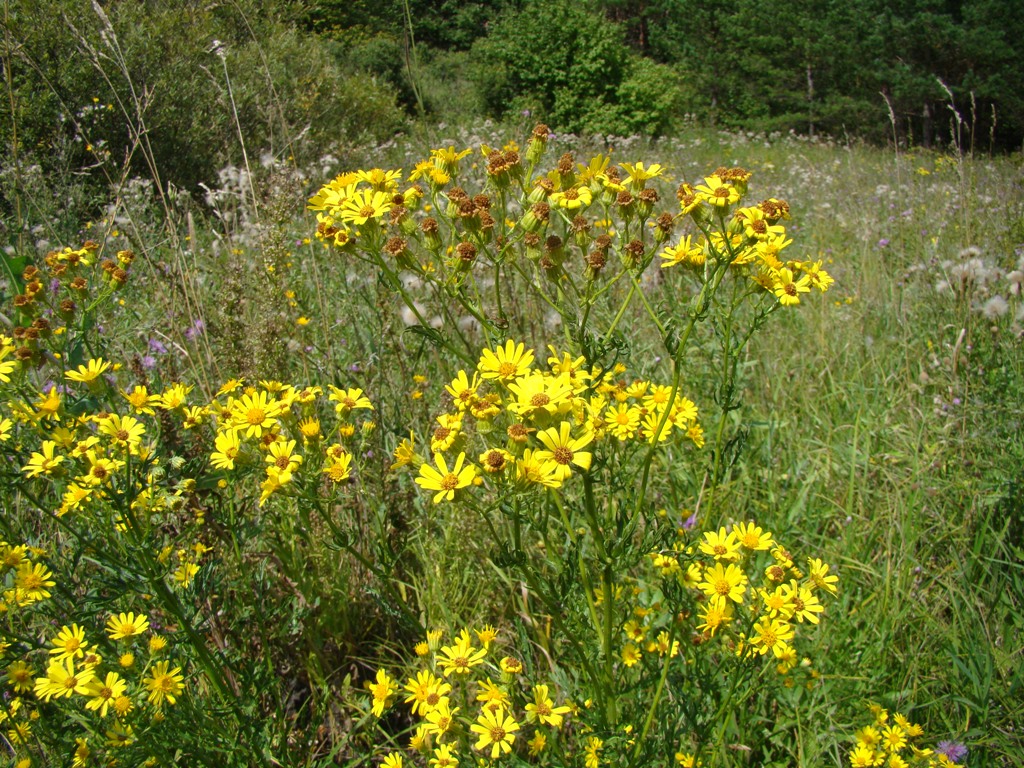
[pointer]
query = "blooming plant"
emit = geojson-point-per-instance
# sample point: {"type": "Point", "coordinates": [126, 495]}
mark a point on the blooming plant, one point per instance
{"type": "Point", "coordinates": [559, 461]}
{"type": "Point", "coordinates": [636, 636]}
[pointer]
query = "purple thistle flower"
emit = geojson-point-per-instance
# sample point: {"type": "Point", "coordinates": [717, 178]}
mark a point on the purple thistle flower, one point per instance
{"type": "Point", "coordinates": [149, 362]}
{"type": "Point", "coordinates": [690, 523]}
{"type": "Point", "coordinates": [954, 750]}
{"type": "Point", "coordinates": [155, 345]}
{"type": "Point", "coordinates": [883, 243]}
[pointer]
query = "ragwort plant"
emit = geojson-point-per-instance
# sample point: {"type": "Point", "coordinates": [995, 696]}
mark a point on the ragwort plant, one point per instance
{"type": "Point", "coordinates": [120, 495]}
{"type": "Point", "coordinates": [671, 640]}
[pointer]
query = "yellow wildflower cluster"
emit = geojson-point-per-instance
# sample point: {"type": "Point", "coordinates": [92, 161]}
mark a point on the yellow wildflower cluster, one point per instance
{"type": "Point", "coordinates": [895, 743]}
{"type": "Point", "coordinates": [122, 694]}
{"type": "Point", "coordinates": [537, 427]}
{"type": "Point", "coordinates": [467, 698]}
{"type": "Point", "coordinates": [597, 209]}
{"type": "Point", "coordinates": [744, 567]}
{"type": "Point", "coordinates": [268, 425]}
{"type": "Point", "coordinates": [746, 237]}
{"type": "Point", "coordinates": [24, 582]}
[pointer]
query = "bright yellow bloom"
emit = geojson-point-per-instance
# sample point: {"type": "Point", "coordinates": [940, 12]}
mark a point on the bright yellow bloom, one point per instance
{"type": "Point", "coordinates": [729, 582]}
{"type": "Point", "coordinates": [543, 710]}
{"type": "Point", "coordinates": [637, 175]}
{"type": "Point", "coordinates": [505, 363]}
{"type": "Point", "coordinates": [441, 718]}
{"type": "Point", "coordinates": [788, 289]}
{"type": "Point", "coordinates": [530, 470]}
{"type": "Point", "coordinates": [125, 625]}
{"type": "Point", "coordinates": [442, 480]}
{"type": "Point", "coordinates": [126, 431]}
{"type": "Point", "coordinates": [163, 684]}
{"type": "Point", "coordinates": [463, 390]}
{"type": "Point", "coordinates": [716, 192]}
{"type": "Point", "coordinates": [382, 690]}
{"type": "Point", "coordinates": [349, 400]}
{"type": "Point", "coordinates": [140, 400]}
{"type": "Point", "coordinates": [537, 393]}
{"type": "Point", "coordinates": [88, 373]}
{"type": "Point", "coordinates": [338, 468]}
{"type": "Point", "coordinates": [563, 450]}
{"type": "Point", "coordinates": [592, 757]}
{"type": "Point", "coordinates": [32, 582]}
{"type": "Point", "coordinates": [102, 694]}
{"type": "Point", "coordinates": [364, 205]}
{"type": "Point", "coordinates": [753, 537]}
{"type": "Point", "coordinates": [771, 635]}
{"type": "Point", "coordinates": [497, 731]}
{"type": "Point", "coordinates": [445, 756]}
{"type": "Point", "coordinates": [69, 644]}
{"type": "Point", "coordinates": [804, 602]}
{"type": "Point", "coordinates": [425, 691]}
{"type": "Point", "coordinates": [228, 447]}
{"type": "Point", "coordinates": [572, 199]}
{"type": "Point", "coordinates": [819, 576]}
{"type": "Point", "coordinates": [254, 414]}
{"type": "Point", "coordinates": [460, 657]}
{"type": "Point", "coordinates": [721, 545]}
{"type": "Point", "coordinates": [43, 462]}
{"type": "Point", "coordinates": [717, 611]}
{"type": "Point", "coordinates": [61, 681]}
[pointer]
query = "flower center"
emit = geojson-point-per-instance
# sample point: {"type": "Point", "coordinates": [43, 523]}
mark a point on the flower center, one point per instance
{"type": "Point", "coordinates": [449, 483]}
{"type": "Point", "coordinates": [506, 369]}
{"type": "Point", "coordinates": [539, 400]}
{"type": "Point", "coordinates": [255, 416]}
{"type": "Point", "coordinates": [562, 455]}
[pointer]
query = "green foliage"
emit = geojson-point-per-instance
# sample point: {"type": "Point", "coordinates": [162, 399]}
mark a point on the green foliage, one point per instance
{"type": "Point", "coordinates": [567, 65]}
{"type": "Point", "coordinates": [145, 86]}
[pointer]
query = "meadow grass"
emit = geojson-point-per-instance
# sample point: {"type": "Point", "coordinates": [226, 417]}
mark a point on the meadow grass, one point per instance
{"type": "Point", "coordinates": [877, 428]}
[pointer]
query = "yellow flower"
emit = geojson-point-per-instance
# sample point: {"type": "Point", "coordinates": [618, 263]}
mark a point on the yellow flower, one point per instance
{"type": "Point", "coordinates": [88, 373]}
{"type": "Point", "coordinates": [771, 635]}
{"type": "Point", "coordinates": [505, 363]}
{"type": "Point", "coordinates": [228, 446]}
{"type": "Point", "coordinates": [43, 462]}
{"type": "Point", "coordinates": [444, 757]}
{"type": "Point", "coordinates": [460, 657]}
{"type": "Point", "coordinates": [753, 537]}
{"type": "Point", "coordinates": [104, 694]}
{"type": "Point", "coordinates": [442, 480]}
{"type": "Point", "coordinates": [729, 582]}
{"type": "Point", "coordinates": [126, 625]}
{"type": "Point", "coordinates": [716, 192]}
{"type": "Point", "coordinates": [364, 205]}
{"type": "Point", "coordinates": [543, 710]}
{"type": "Point", "coordinates": [721, 545]}
{"type": "Point", "coordinates": [254, 414]}
{"type": "Point", "coordinates": [382, 690]}
{"type": "Point", "coordinates": [61, 681]}
{"type": "Point", "coordinates": [563, 450]}
{"type": "Point", "coordinates": [592, 757]}
{"type": "Point", "coordinates": [69, 643]}
{"type": "Point", "coordinates": [788, 289]}
{"type": "Point", "coordinates": [163, 684]}
{"type": "Point", "coordinates": [496, 730]}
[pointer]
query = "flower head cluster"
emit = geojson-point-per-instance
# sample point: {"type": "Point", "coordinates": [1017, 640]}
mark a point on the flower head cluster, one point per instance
{"type": "Point", "coordinates": [895, 742]}
{"type": "Point", "coordinates": [750, 589]}
{"type": "Point", "coordinates": [749, 238]}
{"type": "Point", "coordinates": [538, 427]}
{"type": "Point", "coordinates": [468, 700]}
{"type": "Point", "coordinates": [117, 694]}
